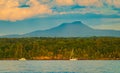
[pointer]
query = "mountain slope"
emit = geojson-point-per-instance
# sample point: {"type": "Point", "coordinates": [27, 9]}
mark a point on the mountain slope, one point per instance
{"type": "Point", "coordinates": [74, 29]}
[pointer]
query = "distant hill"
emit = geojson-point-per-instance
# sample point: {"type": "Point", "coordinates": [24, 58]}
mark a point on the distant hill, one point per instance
{"type": "Point", "coordinates": [74, 29]}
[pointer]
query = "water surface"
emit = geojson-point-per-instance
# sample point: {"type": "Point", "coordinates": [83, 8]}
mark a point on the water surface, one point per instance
{"type": "Point", "coordinates": [60, 66]}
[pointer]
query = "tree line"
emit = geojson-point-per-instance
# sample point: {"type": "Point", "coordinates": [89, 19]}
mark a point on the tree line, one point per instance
{"type": "Point", "coordinates": [60, 48]}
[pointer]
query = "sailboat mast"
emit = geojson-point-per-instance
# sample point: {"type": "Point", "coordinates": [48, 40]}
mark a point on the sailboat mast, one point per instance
{"type": "Point", "coordinates": [71, 55]}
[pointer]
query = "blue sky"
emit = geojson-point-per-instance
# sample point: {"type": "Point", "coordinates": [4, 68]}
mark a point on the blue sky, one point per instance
{"type": "Point", "coordinates": [23, 16]}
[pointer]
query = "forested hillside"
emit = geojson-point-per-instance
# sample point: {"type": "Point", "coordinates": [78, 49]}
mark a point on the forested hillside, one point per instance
{"type": "Point", "coordinates": [60, 48]}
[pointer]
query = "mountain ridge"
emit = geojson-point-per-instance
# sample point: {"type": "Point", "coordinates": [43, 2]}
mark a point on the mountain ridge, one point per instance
{"type": "Point", "coordinates": [74, 29]}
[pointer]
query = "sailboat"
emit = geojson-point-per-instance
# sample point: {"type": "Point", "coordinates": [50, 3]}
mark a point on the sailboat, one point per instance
{"type": "Point", "coordinates": [71, 56]}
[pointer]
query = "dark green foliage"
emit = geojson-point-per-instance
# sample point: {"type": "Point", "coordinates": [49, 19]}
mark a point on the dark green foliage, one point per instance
{"type": "Point", "coordinates": [60, 48]}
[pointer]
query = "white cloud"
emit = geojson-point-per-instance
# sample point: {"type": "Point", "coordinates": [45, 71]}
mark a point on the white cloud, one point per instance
{"type": "Point", "coordinates": [45, 1]}
{"type": "Point", "coordinates": [92, 6]}
{"type": "Point", "coordinates": [8, 3]}
{"type": "Point", "coordinates": [9, 10]}
{"type": "Point", "coordinates": [97, 3]}
{"type": "Point", "coordinates": [115, 3]}
{"type": "Point", "coordinates": [64, 2]}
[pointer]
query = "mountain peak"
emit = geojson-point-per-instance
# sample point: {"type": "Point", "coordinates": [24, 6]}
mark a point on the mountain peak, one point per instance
{"type": "Point", "coordinates": [72, 23]}
{"type": "Point", "coordinates": [77, 22]}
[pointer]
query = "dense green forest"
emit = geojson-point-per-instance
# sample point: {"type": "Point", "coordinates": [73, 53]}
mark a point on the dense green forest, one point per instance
{"type": "Point", "coordinates": [60, 48]}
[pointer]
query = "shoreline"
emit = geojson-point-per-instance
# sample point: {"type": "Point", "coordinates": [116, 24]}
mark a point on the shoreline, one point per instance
{"type": "Point", "coordinates": [64, 59]}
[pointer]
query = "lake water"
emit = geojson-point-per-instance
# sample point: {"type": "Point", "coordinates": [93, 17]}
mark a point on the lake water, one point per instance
{"type": "Point", "coordinates": [60, 66]}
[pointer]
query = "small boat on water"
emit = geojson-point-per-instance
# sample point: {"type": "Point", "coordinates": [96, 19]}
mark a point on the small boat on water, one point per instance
{"type": "Point", "coordinates": [22, 59]}
{"type": "Point", "coordinates": [71, 56]}
{"type": "Point", "coordinates": [73, 59]}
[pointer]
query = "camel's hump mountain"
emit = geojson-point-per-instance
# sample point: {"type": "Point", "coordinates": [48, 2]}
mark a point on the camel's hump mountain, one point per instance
{"type": "Point", "coordinates": [74, 29]}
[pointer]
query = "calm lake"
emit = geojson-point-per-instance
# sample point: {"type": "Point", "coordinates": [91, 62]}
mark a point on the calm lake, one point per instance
{"type": "Point", "coordinates": [60, 66]}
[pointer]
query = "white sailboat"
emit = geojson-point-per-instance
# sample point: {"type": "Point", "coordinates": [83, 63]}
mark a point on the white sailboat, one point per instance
{"type": "Point", "coordinates": [71, 56]}
{"type": "Point", "coordinates": [73, 59]}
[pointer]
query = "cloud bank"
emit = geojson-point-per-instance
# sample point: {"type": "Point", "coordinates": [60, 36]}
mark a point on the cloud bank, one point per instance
{"type": "Point", "coordinates": [97, 3]}
{"type": "Point", "coordinates": [21, 9]}
{"type": "Point", "coordinates": [10, 10]}
{"type": "Point", "coordinates": [64, 2]}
